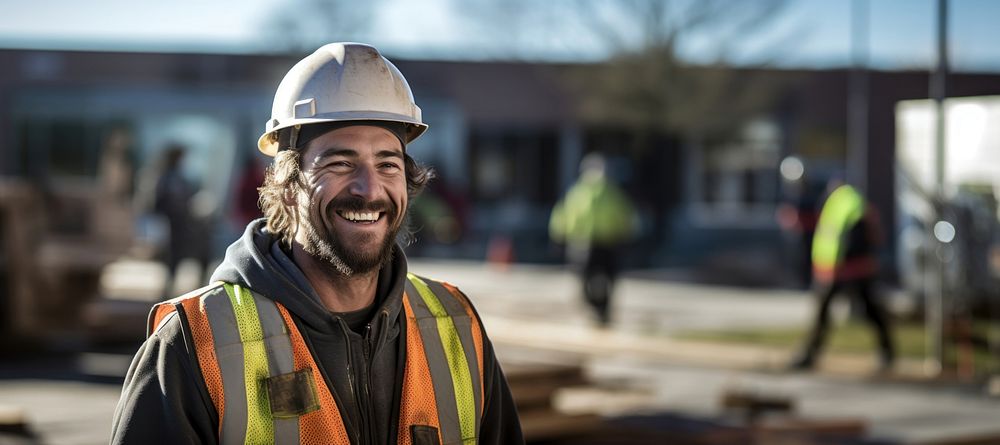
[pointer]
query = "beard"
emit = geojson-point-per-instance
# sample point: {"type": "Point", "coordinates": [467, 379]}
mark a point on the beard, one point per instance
{"type": "Point", "coordinates": [342, 256]}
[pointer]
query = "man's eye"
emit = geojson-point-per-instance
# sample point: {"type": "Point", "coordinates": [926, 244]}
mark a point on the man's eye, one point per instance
{"type": "Point", "coordinates": [390, 166]}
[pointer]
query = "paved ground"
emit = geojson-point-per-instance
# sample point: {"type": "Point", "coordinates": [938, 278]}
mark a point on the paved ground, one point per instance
{"type": "Point", "coordinates": [532, 313]}
{"type": "Point", "coordinates": [537, 308]}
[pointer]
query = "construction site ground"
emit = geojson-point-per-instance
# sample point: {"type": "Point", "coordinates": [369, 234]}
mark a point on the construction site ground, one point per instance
{"type": "Point", "coordinates": [636, 372]}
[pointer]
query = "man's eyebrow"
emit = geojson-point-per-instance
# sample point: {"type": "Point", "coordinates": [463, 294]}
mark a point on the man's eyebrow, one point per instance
{"type": "Point", "coordinates": [389, 154]}
{"type": "Point", "coordinates": [348, 152]}
{"type": "Point", "coordinates": [336, 151]}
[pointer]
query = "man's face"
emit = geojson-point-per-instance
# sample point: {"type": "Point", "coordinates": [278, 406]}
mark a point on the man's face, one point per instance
{"type": "Point", "coordinates": [355, 198]}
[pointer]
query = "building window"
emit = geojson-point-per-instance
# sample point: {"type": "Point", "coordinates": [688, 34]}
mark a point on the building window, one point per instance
{"type": "Point", "coordinates": [58, 148]}
{"type": "Point", "coordinates": [737, 178]}
{"type": "Point", "coordinates": [514, 165]}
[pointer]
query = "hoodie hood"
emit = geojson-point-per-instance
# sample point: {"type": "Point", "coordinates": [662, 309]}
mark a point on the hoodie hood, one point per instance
{"type": "Point", "coordinates": [257, 262]}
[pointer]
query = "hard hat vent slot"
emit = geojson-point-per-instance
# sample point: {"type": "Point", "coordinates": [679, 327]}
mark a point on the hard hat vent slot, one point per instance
{"type": "Point", "coordinates": [304, 108]}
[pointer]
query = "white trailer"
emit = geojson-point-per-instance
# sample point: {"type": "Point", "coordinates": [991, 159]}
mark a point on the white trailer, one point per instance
{"type": "Point", "coordinates": [969, 202]}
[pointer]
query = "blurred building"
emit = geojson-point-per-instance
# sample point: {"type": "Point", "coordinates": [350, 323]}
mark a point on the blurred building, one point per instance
{"type": "Point", "coordinates": [506, 138]}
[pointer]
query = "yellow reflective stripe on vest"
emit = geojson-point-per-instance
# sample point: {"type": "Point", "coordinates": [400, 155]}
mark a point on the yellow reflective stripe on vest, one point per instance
{"type": "Point", "coordinates": [280, 361]}
{"type": "Point", "coordinates": [463, 324]}
{"type": "Point", "coordinates": [842, 210]}
{"type": "Point", "coordinates": [259, 425]}
{"type": "Point", "coordinates": [458, 365]}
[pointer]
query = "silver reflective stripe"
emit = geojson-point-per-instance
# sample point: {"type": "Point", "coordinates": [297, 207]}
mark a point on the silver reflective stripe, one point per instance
{"type": "Point", "coordinates": [463, 324]}
{"type": "Point", "coordinates": [229, 353]}
{"type": "Point", "coordinates": [444, 389]}
{"type": "Point", "coordinates": [279, 360]}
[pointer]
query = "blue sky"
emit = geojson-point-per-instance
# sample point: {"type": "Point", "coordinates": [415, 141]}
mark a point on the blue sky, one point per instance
{"type": "Point", "coordinates": [807, 33]}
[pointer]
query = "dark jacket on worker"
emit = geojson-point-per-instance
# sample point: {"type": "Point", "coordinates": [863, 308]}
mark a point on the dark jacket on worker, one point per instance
{"type": "Point", "coordinates": [165, 399]}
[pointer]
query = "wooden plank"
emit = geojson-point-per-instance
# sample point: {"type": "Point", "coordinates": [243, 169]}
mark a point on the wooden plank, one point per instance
{"type": "Point", "coordinates": [534, 373]}
{"type": "Point", "coordinates": [986, 439]}
{"type": "Point", "coordinates": [756, 402]}
{"type": "Point", "coordinates": [546, 424]}
{"type": "Point", "coordinates": [533, 396]}
{"type": "Point", "coordinates": [13, 420]}
{"type": "Point", "coordinates": [813, 427]}
{"type": "Point", "coordinates": [534, 385]}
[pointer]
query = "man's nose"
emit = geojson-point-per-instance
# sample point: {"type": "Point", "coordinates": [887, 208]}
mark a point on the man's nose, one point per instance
{"type": "Point", "coordinates": [363, 183]}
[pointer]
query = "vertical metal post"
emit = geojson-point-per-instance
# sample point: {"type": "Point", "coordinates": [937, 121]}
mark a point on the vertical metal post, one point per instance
{"type": "Point", "coordinates": [857, 118]}
{"type": "Point", "coordinates": [570, 153]}
{"type": "Point", "coordinates": [936, 307]}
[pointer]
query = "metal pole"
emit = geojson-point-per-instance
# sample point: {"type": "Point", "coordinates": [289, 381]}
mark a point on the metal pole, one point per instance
{"type": "Point", "coordinates": [857, 151]}
{"type": "Point", "coordinates": [936, 302]}
{"type": "Point", "coordinates": [856, 173]}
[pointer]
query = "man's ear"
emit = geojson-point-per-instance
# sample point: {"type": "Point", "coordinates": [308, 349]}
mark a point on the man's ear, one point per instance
{"type": "Point", "coordinates": [290, 200]}
{"type": "Point", "coordinates": [289, 197]}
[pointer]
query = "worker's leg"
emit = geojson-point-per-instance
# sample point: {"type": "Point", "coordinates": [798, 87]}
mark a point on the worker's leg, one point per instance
{"type": "Point", "coordinates": [817, 335]}
{"type": "Point", "coordinates": [879, 319]}
{"type": "Point", "coordinates": [595, 283]}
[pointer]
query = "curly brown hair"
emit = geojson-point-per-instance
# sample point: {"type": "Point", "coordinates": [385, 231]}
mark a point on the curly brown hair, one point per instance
{"type": "Point", "coordinates": [284, 180]}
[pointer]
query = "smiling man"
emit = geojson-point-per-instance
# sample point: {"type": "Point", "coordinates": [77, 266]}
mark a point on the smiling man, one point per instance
{"type": "Point", "coordinates": [313, 331]}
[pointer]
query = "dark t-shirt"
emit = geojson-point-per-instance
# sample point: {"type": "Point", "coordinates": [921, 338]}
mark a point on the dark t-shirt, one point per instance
{"type": "Point", "coordinates": [359, 319]}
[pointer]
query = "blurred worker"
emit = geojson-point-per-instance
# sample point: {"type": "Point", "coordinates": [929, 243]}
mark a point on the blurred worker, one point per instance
{"type": "Point", "coordinates": [116, 171]}
{"type": "Point", "coordinates": [844, 259]}
{"type": "Point", "coordinates": [113, 217]}
{"type": "Point", "coordinates": [797, 215]}
{"type": "Point", "coordinates": [593, 220]}
{"type": "Point", "coordinates": [313, 330]}
{"type": "Point", "coordinates": [172, 200]}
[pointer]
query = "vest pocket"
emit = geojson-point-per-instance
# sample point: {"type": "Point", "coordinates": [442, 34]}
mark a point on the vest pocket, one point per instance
{"type": "Point", "coordinates": [292, 394]}
{"type": "Point", "coordinates": [424, 435]}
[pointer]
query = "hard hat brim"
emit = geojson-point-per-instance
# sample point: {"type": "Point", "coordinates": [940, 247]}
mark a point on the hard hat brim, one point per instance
{"type": "Point", "coordinates": [268, 142]}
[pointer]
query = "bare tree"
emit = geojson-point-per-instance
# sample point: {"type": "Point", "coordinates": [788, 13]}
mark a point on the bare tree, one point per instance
{"type": "Point", "coordinates": [302, 25]}
{"type": "Point", "coordinates": [643, 83]}
{"type": "Point", "coordinates": [647, 85]}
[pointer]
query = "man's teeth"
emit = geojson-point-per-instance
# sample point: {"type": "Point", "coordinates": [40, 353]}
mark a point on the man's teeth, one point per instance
{"type": "Point", "coordinates": [360, 216]}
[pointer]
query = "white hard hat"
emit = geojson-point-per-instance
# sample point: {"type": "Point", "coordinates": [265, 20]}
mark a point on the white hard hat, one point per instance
{"type": "Point", "coordinates": [341, 82]}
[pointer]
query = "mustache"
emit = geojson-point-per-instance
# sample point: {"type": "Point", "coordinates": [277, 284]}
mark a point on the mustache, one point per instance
{"type": "Point", "coordinates": [356, 204]}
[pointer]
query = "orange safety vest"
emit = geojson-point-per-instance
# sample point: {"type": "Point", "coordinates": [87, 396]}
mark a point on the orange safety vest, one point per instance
{"type": "Point", "coordinates": [267, 388]}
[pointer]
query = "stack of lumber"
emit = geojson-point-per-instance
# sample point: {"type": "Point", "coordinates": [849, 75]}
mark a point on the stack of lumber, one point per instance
{"type": "Point", "coordinates": [746, 418]}
{"type": "Point", "coordinates": [534, 387]}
